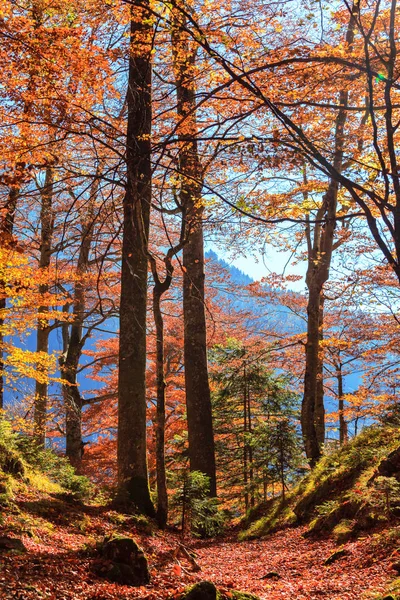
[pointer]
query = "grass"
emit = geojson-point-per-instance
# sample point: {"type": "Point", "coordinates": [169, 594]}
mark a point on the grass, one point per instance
{"type": "Point", "coordinates": [337, 495]}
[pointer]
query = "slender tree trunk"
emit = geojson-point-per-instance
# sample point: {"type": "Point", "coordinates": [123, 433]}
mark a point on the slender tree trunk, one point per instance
{"type": "Point", "coordinates": [73, 339]}
{"type": "Point", "coordinates": [319, 414]}
{"type": "Point", "coordinates": [250, 449]}
{"type": "Point", "coordinates": [131, 446]}
{"type": "Point", "coordinates": [245, 447]}
{"type": "Point", "coordinates": [162, 495]}
{"type": "Point", "coordinates": [7, 228]}
{"type": "Point", "coordinates": [282, 465]}
{"type": "Point", "coordinates": [160, 287]}
{"type": "Point", "coordinates": [198, 397]}
{"type": "Point", "coordinates": [43, 329]}
{"type": "Point", "coordinates": [320, 249]}
{"type": "Point", "coordinates": [310, 378]}
{"type": "Point", "coordinates": [343, 430]}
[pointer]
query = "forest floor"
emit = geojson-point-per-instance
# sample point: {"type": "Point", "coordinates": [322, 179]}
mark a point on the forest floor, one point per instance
{"type": "Point", "coordinates": [60, 538]}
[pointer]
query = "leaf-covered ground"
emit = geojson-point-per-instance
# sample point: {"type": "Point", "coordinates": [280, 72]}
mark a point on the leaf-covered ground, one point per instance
{"type": "Point", "coordinates": [60, 538]}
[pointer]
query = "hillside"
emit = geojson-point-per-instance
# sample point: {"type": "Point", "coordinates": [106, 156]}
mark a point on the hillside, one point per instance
{"type": "Point", "coordinates": [54, 526]}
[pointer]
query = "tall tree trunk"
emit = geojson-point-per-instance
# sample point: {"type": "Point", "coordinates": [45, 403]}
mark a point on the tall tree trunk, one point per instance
{"type": "Point", "coordinates": [131, 446]}
{"type": "Point", "coordinates": [320, 249]}
{"type": "Point", "coordinates": [73, 339]}
{"type": "Point", "coordinates": [198, 397]}
{"type": "Point", "coordinates": [310, 377]}
{"type": "Point", "coordinates": [162, 495]}
{"type": "Point", "coordinates": [245, 447]}
{"type": "Point", "coordinates": [160, 287]}
{"type": "Point", "coordinates": [7, 228]}
{"type": "Point", "coordinates": [319, 414]}
{"type": "Point", "coordinates": [43, 328]}
{"type": "Point", "coordinates": [250, 449]}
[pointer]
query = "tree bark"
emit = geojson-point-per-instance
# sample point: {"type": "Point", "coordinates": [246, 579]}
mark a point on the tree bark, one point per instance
{"type": "Point", "coordinates": [73, 339]}
{"type": "Point", "coordinates": [198, 397]}
{"type": "Point", "coordinates": [7, 227]}
{"type": "Point", "coordinates": [320, 249]}
{"type": "Point", "coordinates": [162, 495]}
{"type": "Point", "coordinates": [43, 329]}
{"type": "Point", "coordinates": [343, 429]}
{"type": "Point", "coordinates": [131, 445]}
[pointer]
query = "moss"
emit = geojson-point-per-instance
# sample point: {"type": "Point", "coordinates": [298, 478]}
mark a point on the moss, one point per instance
{"type": "Point", "coordinates": [237, 595]}
{"type": "Point", "coordinates": [337, 489]}
{"type": "Point", "coordinates": [343, 531]}
{"type": "Point", "coordinates": [278, 516]}
{"type": "Point", "coordinates": [136, 491]}
{"type": "Point", "coordinates": [392, 592]}
{"type": "Point", "coordinates": [335, 556]}
{"type": "Point", "coordinates": [206, 590]}
{"type": "Point", "coordinates": [10, 461]}
{"type": "Point", "coordinates": [42, 483]}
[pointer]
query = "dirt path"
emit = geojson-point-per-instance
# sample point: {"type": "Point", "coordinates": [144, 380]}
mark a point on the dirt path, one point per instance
{"type": "Point", "coordinates": [58, 564]}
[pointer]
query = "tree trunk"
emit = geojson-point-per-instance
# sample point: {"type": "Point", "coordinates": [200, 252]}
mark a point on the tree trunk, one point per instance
{"type": "Point", "coordinates": [245, 448]}
{"type": "Point", "coordinates": [320, 249]}
{"type": "Point", "coordinates": [343, 430]}
{"type": "Point", "coordinates": [198, 397]}
{"type": "Point", "coordinates": [73, 339]}
{"type": "Point", "coordinates": [7, 228]}
{"type": "Point", "coordinates": [319, 414]}
{"type": "Point", "coordinates": [131, 447]}
{"type": "Point", "coordinates": [250, 449]}
{"type": "Point", "coordinates": [310, 378]}
{"type": "Point", "coordinates": [43, 329]}
{"type": "Point", "coordinates": [162, 495]}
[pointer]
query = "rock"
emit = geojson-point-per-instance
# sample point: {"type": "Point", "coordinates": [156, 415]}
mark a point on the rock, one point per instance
{"type": "Point", "coordinates": [206, 590]}
{"type": "Point", "coordinates": [8, 544]}
{"type": "Point", "coordinates": [10, 461]}
{"type": "Point", "coordinates": [396, 566]}
{"type": "Point", "coordinates": [271, 575]}
{"type": "Point", "coordinates": [122, 561]}
{"type": "Point", "coordinates": [236, 595]}
{"type": "Point", "coordinates": [336, 556]}
{"type": "Point", "coordinates": [389, 466]}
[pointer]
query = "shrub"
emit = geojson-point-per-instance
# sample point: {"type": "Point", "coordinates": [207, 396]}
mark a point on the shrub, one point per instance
{"type": "Point", "coordinates": [200, 513]}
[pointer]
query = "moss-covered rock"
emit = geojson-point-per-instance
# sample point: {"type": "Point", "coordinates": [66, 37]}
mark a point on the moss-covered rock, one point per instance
{"type": "Point", "coordinates": [10, 461]}
{"type": "Point", "coordinates": [343, 531]}
{"type": "Point", "coordinates": [237, 595]}
{"type": "Point", "coordinates": [335, 556]}
{"type": "Point", "coordinates": [122, 561]}
{"type": "Point", "coordinates": [8, 544]}
{"type": "Point", "coordinates": [392, 592]}
{"type": "Point", "coordinates": [206, 590]}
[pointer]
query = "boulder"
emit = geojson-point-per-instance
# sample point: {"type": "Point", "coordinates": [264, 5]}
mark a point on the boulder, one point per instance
{"type": "Point", "coordinates": [122, 561]}
{"type": "Point", "coordinates": [271, 575]}
{"type": "Point", "coordinates": [8, 544]}
{"type": "Point", "coordinates": [206, 590]}
{"type": "Point", "coordinates": [336, 556]}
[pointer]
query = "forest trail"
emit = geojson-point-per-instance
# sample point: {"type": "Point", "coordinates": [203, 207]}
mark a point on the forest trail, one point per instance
{"type": "Point", "coordinates": [60, 539]}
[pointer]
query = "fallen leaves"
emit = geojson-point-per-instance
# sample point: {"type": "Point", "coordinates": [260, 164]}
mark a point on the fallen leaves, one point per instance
{"type": "Point", "coordinates": [58, 564]}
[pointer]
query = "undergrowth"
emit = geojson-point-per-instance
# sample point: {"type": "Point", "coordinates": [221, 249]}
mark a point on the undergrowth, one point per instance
{"type": "Point", "coordinates": [342, 494]}
{"type": "Point", "coordinates": [23, 462]}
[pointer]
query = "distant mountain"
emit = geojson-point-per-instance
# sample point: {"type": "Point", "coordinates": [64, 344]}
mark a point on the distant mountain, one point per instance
{"type": "Point", "coordinates": [263, 314]}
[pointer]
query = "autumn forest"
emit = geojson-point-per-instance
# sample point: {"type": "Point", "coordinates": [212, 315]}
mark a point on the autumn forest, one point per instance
{"type": "Point", "coordinates": [164, 415]}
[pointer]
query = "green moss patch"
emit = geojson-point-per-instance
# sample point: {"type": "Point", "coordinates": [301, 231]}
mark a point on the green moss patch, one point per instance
{"type": "Point", "coordinates": [342, 495]}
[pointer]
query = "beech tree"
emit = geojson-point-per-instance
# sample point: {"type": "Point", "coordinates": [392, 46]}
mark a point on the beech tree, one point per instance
{"type": "Point", "coordinates": [198, 398]}
{"type": "Point", "coordinates": [132, 459]}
